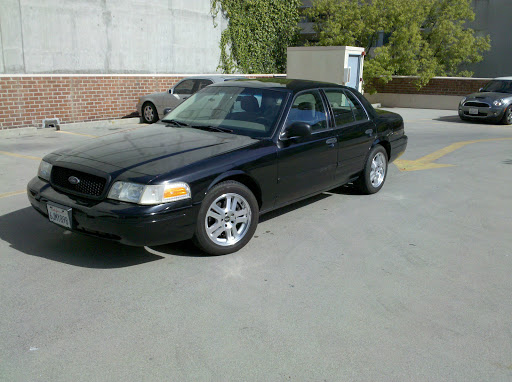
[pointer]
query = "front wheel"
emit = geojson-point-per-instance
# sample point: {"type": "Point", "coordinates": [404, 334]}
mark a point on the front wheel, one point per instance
{"type": "Point", "coordinates": [375, 171]}
{"type": "Point", "coordinates": [507, 117]}
{"type": "Point", "coordinates": [149, 113]}
{"type": "Point", "coordinates": [227, 218]}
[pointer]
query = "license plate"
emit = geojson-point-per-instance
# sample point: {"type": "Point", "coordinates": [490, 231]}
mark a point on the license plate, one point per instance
{"type": "Point", "coordinates": [59, 215]}
{"type": "Point", "coordinates": [473, 111]}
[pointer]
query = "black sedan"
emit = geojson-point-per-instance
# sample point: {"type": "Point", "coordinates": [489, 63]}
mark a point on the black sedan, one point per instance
{"type": "Point", "coordinates": [229, 153]}
{"type": "Point", "coordinates": [492, 103]}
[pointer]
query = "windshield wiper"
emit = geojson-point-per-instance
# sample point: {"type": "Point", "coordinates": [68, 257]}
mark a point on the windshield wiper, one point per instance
{"type": "Point", "coordinates": [212, 128]}
{"type": "Point", "coordinates": [173, 122]}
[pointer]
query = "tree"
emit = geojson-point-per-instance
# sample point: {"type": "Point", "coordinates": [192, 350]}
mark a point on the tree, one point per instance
{"type": "Point", "coordinates": [257, 35]}
{"type": "Point", "coordinates": [423, 38]}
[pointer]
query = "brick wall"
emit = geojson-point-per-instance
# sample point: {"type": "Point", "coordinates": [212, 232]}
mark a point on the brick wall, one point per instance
{"type": "Point", "coordinates": [454, 86]}
{"type": "Point", "coordinates": [26, 100]}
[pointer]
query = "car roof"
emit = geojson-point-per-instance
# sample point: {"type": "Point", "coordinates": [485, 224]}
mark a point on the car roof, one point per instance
{"type": "Point", "coordinates": [504, 78]}
{"type": "Point", "coordinates": [282, 84]}
{"type": "Point", "coordinates": [213, 77]}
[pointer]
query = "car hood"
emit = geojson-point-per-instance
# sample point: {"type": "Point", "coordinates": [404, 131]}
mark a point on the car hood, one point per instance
{"type": "Point", "coordinates": [489, 96]}
{"type": "Point", "coordinates": [150, 150]}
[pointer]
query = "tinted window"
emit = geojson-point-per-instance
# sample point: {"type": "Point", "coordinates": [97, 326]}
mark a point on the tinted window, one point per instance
{"type": "Point", "coordinates": [308, 107]}
{"type": "Point", "coordinates": [357, 108]}
{"type": "Point", "coordinates": [341, 106]}
{"type": "Point", "coordinates": [185, 87]}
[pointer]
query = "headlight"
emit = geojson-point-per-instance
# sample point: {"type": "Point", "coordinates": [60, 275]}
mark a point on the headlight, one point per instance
{"type": "Point", "coordinates": [149, 194]}
{"type": "Point", "coordinates": [462, 100]}
{"type": "Point", "coordinates": [45, 169]}
{"type": "Point", "coordinates": [498, 102]}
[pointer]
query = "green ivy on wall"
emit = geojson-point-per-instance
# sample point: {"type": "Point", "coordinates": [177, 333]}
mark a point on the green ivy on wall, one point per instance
{"type": "Point", "coordinates": [257, 35]}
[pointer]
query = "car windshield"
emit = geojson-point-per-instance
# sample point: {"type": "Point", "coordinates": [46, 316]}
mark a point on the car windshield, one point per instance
{"type": "Point", "coordinates": [498, 86]}
{"type": "Point", "coordinates": [238, 110]}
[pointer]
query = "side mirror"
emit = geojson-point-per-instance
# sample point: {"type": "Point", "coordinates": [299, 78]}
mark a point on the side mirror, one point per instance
{"type": "Point", "coordinates": [480, 89]}
{"type": "Point", "coordinates": [297, 130]}
{"type": "Point", "coordinates": [171, 91]}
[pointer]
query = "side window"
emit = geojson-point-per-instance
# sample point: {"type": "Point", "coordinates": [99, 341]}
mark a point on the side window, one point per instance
{"type": "Point", "coordinates": [359, 112]}
{"type": "Point", "coordinates": [185, 87]}
{"type": "Point", "coordinates": [341, 106]}
{"type": "Point", "coordinates": [308, 107]}
{"type": "Point", "coordinates": [204, 83]}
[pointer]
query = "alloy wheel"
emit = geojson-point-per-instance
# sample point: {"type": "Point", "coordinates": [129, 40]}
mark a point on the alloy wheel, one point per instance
{"type": "Point", "coordinates": [378, 170]}
{"type": "Point", "coordinates": [228, 219]}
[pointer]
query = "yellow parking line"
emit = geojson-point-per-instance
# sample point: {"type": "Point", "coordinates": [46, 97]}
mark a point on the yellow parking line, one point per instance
{"type": "Point", "coordinates": [7, 194]}
{"type": "Point", "coordinates": [426, 162]}
{"type": "Point", "coordinates": [72, 133]}
{"type": "Point", "coordinates": [19, 155]}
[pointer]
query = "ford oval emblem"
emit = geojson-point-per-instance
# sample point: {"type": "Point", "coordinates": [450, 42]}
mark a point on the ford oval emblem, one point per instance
{"type": "Point", "coordinates": [73, 180]}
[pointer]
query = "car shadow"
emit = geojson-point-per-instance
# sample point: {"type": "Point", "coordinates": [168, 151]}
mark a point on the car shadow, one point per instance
{"type": "Point", "coordinates": [347, 189]}
{"type": "Point", "coordinates": [456, 119]}
{"type": "Point", "coordinates": [28, 232]}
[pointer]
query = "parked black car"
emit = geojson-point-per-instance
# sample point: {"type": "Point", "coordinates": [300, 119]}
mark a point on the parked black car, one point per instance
{"type": "Point", "coordinates": [492, 103]}
{"type": "Point", "coordinates": [231, 152]}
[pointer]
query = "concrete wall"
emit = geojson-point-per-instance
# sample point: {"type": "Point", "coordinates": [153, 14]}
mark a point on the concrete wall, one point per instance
{"type": "Point", "coordinates": [440, 93]}
{"type": "Point", "coordinates": [108, 36]}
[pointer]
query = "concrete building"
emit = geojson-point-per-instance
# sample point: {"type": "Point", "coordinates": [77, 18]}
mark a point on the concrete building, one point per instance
{"type": "Point", "coordinates": [493, 17]}
{"type": "Point", "coordinates": [108, 36]}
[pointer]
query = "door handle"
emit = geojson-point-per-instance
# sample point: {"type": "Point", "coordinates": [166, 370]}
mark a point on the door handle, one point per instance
{"type": "Point", "coordinates": [331, 141]}
{"type": "Point", "coordinates": [369, 132]}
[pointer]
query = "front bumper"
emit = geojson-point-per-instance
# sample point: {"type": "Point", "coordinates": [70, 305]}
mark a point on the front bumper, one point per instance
{"type": "Point", "coordinates": [123, 222]}
{"type": "Point", "coordinates": [494, 113]}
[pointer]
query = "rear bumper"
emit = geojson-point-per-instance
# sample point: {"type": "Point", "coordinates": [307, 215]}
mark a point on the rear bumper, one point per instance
{"type": "Point", "coordinates": [398, 147]}
{"type": "Point", "coordinates": [122, 222]}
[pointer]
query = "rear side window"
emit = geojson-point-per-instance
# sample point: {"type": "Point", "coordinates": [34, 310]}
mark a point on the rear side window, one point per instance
{"type": "Point", "coordinates": [308, 107]}
{"type": "Point", "coordinates": [357, 108]}
{"type": "Point", "coordinates": [345, 106]}
{"type": "Point", "coordinates": [341, 106]}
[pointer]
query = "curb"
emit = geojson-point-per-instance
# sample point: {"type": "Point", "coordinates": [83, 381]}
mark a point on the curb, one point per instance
{"type": "Point", "coordinates": [21, 131]}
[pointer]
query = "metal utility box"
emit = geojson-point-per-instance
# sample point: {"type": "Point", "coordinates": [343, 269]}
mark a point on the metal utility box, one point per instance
{"type": "Point", "coordinates": [340, 64]}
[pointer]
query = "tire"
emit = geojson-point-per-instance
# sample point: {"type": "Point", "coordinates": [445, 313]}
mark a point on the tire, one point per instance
{"type": "Point", "coordinates": [507, 116]}
{"type": "Point", "coordinates": [463, 118]}
{"type": "Point", "coordinates": [375, 171]}
{"type": "Point", "coordinates": [217, 230]}
{"type": "Point", "coordinates": [149, 113]}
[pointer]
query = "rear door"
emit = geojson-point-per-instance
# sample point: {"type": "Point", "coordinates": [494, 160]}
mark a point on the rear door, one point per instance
{"type": "Point", "coordinates": [354, 132]}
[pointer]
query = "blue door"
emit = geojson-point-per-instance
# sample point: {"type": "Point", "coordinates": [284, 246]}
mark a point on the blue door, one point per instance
{"type": "Point", "coordinates": [353, 64]}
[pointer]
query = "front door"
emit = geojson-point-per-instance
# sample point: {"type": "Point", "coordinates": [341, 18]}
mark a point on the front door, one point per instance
{"type": "Point", "coordinates": [307, 166]}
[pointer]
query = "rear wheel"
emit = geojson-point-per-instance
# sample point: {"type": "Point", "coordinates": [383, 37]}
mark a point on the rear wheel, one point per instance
{"type": "Point", "coordinates": [375, 171]}
{"type": "Point", "coordinates": [227, 218]}
{"type": "Point", "coordinates": [507, 117]}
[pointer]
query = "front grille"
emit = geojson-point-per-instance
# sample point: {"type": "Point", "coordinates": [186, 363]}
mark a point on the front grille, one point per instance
{"type": "Point", "coordinates": [476, 104]}
{"type": "Point", "coordinates": [89, 185]}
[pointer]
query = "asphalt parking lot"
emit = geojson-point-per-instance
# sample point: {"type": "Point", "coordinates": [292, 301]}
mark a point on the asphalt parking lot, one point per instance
{"type": "Point", "coordinates": [410, 284]}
